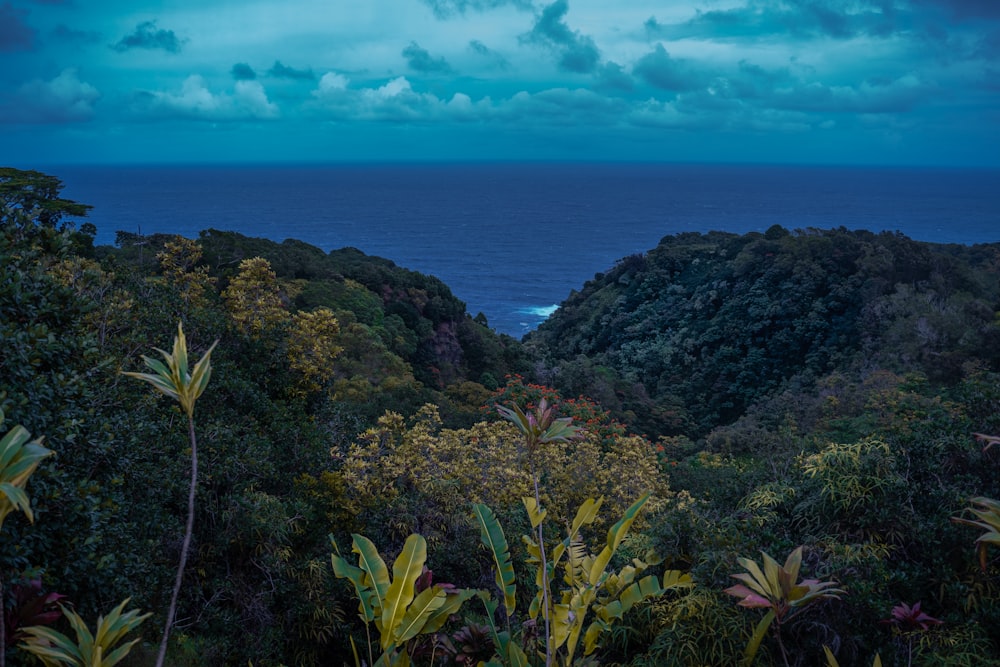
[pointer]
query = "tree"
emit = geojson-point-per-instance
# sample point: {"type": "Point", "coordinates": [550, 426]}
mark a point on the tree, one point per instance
{"type": "Point", "coordinates": [253, 298]}
{"type": "Point", "coordinates": [312, 347]}
{"type": "Point", "coordinates": [36, 194]}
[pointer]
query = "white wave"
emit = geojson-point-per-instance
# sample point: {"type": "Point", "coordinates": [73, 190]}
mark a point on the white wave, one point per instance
{"type": "Point", "coordinates": [539, 311]}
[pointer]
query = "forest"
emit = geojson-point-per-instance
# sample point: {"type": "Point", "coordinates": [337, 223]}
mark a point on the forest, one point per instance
{"type": "Point", "coordinates": [774, 448]}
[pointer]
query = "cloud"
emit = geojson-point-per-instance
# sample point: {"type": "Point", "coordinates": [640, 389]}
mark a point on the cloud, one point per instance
{"type": "Point", "coordinates": [64, 99]}
{"type": "Point", "coordinates": [248, 101]}
{"type": "Point", "coordinates": [966, 9]}
{"type": "Point", "coordinates": [611, 77]}
{"type": "Point", "coordinates": [243, 72]}
{"type": "Point", "coordinates": [800, 19]}
{"type": "Point", "coordinates": [394, 101]}
{"type": "Point", "coordinates": [494, 57]}
{"type": "Point", "coordinates": [874, 96]}
{"type": "Point", "coordinates": [15, 33]}
{"type": "Point", "coordinates": [67, 35]}
{"type": "Point", "coordinates": [420, 60]}
{"type": "Point", "coordinates": [280, 71]}
{"type": "Point", "coordinates": [658, 69]}
{"type": "Point", "coordinates": [562, 107]}
{"type": "Point", "coordinates": [577, 52]}
{"type": "Point", "coordinates": [444, 9]}
{"type": "Point", "coordinates": [146, 36]}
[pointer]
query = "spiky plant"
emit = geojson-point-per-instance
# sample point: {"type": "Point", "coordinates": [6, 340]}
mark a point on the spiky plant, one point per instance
{"type": "Point", "coordinates": [95, 649]}
{"type": "Point", "coordinates": [19, 457]}
{"type": "Point", "coordinates": [175, 379]}
{"type": "Point", "coordinates": [774, 587]}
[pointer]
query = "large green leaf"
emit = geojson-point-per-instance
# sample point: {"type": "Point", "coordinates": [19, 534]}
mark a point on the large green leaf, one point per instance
{"type": "Point", "coordinates": [676, 579]}
{"type": "Point", "coordinates": [616, 534]}
{"type": "Point", "coordinates": [453, 602]}
{"type": "Point", "coordinates": [12, 443]}
{"type": "Point", "coordinates": [535, 513]}
{"type": "Point", "coordinates": [399, 595]}
{"type": "Point", "coordinates": [344, 570]}
{"type": "Point", "coordinates": [750, 652]}
{"type": "Point", "coordinates": [377, 574]}
{"type": "Point", "coordinates": [492, 536]}
{"type": "Point", "coordinates": [418, 613]}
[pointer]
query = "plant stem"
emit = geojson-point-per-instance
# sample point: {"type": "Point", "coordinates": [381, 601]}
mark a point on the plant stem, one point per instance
{"type": "Point", "coordinates": [545, 575]}
{"type": "Point", "coordinates": [188, 530]}
{"type": "Point", "coordinates": [781, 644]}
{"type": "Point", "coordinates": [3, 627]}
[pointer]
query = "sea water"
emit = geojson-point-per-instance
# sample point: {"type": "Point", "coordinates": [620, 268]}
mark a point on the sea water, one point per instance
{"type": "Point", "coordinates": [512, 240]}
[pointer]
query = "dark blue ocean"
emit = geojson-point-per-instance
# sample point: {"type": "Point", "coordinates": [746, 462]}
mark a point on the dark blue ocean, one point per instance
{"type": "Point", "coordinates": [512, 240]}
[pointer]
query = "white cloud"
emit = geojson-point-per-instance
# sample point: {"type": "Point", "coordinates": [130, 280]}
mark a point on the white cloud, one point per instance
{"type": "Point", "coordinates": [395, 100]}
{"type": "Point", "coordinates": [248, 101]}
{"type": "Point", "coordinates": [64, 99]}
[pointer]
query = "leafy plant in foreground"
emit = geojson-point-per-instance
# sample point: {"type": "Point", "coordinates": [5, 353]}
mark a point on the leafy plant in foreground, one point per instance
{"type": "Point", "coordinates": [90, 649]}
{"type": "Point", "coordinates": [174, 379]}
{"type": "Point", "coordinates": [540, 427]}
{"type": "Point", "coordinates": [31, 607]}
{"type": "Point", "coordinates": [393, 605]}
{"type": "Point", "coordinates": [908, 621]}
{"type": "Point", "coordinates": [989, 518]}
{"type": "Point", "coordinates": [588, 585]}
{"type": "Point", "coordinates": [19, 457]}
{"type": "Point", "coordinates": [774, 587]}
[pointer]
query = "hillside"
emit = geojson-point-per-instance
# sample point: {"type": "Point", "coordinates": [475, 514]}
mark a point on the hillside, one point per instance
{"type": "Point", "coordinates": [703, 326]}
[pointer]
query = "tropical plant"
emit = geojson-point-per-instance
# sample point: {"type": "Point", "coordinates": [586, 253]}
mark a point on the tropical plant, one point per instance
{"type": "Point", "coordinates": [19, 457]}
{"type": "Point", "coordinates": [908, 621]}
{"type": "Point", "coordinates": [774, 587]}
{"type": "Point", "coordinates": [399, 612]}
{"type": "Point", "coordinates": [588, 585]}
{"type": "Point", "coordinates": [90, 649]}
{"type": "Point", "coordinates": [540, 427]}
{"type": "Point", "coordinates": [173, 378]}
{"type": "Point", "coordinates": [32, 606]}
{"type": "Point", "coordinates": [988, 513]}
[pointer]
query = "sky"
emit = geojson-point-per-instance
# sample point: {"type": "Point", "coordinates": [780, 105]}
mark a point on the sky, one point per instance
{"type": "Point", "coordinates": [895, 82]}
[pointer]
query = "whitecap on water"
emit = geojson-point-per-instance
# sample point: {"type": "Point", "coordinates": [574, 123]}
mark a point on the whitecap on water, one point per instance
{"type": "Point", "coordinates": [539, 311]}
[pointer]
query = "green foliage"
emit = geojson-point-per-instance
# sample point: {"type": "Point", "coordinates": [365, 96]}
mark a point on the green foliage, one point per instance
{"type": "Point", "coordinates": [173, 379]}
{"type": "Point", "coordinates": [36, 195]}
{"type": "Point", "coordinates": [705, 325]}
{"type": "Point", "coordinates": [19, 457]}
{"type": "Point", "coordinates": [400, 613]}
{"type": "Point", "coordinates": [585, 586]}
{"type": "Point", "coordinates": [172, 376]}
{"type": "Point", "coordinates": [91, 649]}
{"type": "Point", "coordinates": [312, 347]}
{"type": "Point", "coordinates": [987, 511]}
{"type": "Point", "coordinates": [253, 299]}
{"type": "Point", "coordinates": [777, 588]}
{"type": "Point", "coordinates": [179, 261]}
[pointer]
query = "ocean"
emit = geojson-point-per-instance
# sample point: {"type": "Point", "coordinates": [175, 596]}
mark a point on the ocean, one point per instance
{"type": "Point", "coordinates": [512, 240]}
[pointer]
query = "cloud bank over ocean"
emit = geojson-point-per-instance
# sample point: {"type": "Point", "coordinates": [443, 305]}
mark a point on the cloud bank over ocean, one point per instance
{"type": "Point", "coordinates": [859, 81]}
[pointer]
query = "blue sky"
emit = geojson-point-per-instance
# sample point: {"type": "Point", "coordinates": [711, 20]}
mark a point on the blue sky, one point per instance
{"type": "Point", "coordinates": [913, 82]}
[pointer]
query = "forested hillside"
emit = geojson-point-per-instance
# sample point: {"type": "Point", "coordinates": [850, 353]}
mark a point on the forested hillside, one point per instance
{"type": "Point", "coordinates": [705, 326]}
{"type": "Point", "coordinates": [825, 397]}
